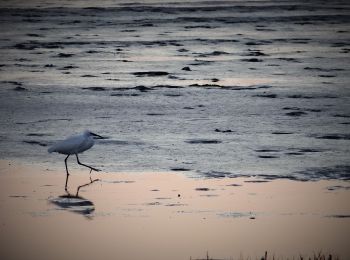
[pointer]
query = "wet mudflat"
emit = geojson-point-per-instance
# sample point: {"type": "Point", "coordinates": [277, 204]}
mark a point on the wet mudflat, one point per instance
{"type": "Point", "coordinates": [225, 88]}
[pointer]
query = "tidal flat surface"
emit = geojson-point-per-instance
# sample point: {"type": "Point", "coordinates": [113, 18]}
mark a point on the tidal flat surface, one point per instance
{"type": "Point", "coordinates": [166, 215]}
{"type": "Point", "coordinates": [211, 88]}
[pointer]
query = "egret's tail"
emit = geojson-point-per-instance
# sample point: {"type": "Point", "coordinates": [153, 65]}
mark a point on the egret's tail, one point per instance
{"type": "Point", "coordinates": [51, 149]}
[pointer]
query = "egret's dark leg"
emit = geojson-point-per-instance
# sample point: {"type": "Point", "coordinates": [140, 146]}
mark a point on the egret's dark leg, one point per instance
{"type": "Point", "coordinates": [65, 162]}
{"type": "Point", "coordinates": [91, 168]}
{"type": "Point", "coordinates": [91, 182]}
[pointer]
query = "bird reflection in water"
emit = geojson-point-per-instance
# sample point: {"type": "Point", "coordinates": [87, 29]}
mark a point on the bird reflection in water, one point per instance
{"type": "Point", "coordinates": [74, 204]}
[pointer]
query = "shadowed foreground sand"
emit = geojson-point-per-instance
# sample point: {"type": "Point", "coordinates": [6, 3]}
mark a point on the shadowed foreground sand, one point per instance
{"type": "Point", "coordinates": [167, 216]}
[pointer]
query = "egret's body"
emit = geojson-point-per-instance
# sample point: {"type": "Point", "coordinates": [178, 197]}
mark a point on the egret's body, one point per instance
{"type": "Point", "coordinates": [74, 145]}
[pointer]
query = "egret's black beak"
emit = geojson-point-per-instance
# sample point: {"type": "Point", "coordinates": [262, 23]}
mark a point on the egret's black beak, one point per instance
{"type": "Point", "coordinates": [97, 136]}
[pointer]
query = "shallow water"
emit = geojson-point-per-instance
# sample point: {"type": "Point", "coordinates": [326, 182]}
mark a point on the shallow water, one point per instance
{"type": "Point", "coordinates": [229, 88]}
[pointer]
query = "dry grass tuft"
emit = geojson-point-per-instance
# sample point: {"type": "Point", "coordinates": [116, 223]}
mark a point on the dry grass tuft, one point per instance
{"type": "Point", "coordinates": [316, 256]}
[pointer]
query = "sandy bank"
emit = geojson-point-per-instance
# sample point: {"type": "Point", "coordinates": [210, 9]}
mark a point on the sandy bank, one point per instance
{"type": "Point", "coordinates": [168, 216]}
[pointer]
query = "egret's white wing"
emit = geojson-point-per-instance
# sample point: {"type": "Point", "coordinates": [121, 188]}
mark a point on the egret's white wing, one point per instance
{"type": "Point", "coordinates": [71, 145]}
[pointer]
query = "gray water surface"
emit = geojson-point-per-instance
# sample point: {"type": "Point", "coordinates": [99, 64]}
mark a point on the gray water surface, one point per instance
{"type": "Point", "coordinates": [212, 88]}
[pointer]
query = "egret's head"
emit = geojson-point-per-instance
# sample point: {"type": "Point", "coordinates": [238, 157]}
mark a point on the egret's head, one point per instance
{"type": "Point", "coordinates": [89, 133]}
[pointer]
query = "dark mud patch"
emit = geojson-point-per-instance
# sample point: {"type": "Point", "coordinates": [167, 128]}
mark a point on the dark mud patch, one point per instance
{"type": "Point", "coordinates": [338, 187]}
{"type": "Point", "coordinates": [310, 97]}
{"type": "Point", "coordinates": [88, 76]}
{"type": "Point", "coordinates": [150, 73]}
{"type": "Point", "coordinates": [69, 67]}
{"type": "Point", "coordinates": [299, 96]}
{"type": "Point", "coordinates": [216, 86]}
{"type": "Point", "coordinates": [219, 174]}
{"type": "Point", "coordinates": [43, 121]}
{"type": "Point", "coordinates": [19, 89]}
{"type": "Point", "coordinates": [290, 151]}
{"type": "Point", "coordinates": [338, 172]}
{"type": "Point", "coordinates": [272, 177]}
{"type": "Point", "coordinates": [322, 69]}
{"type": "Point", "coordinates": [180, 169]}
{"type": "Point", "coordinates": [334, 136]}
{"type": "Point", "coordinates": [310, 150]}
{"type": "Point", "coordinates": [296, 113]}
{"type": "Point", "coordinates": [16, 83]}
{"type": "Point", "coordinates": [25, 46]}
{"type": "Point", "coordinates": [289, 60]}
{"type": "Point", "coordinates": [214, 53]}
{"type": "Point", "coordinates": [203, 141]}
{"type": "Point", "coordinates": [338, 216]}
{"type": "Point", "coordinates": [266, 95]}
{"type": "Point", "coordinates": [155, 114]}
{"type": "Point", "coordinates": [172, 95]}
{"type": "Point", "coordinates": [18, 196]}
{"type": "Point", "coordinates": [124, 95]}
{"type": "Point", "coordinates": [23, 60]}
{"type": "Point", "coordinates": [267, 150]}
{"type": "Point", "coordinates": [202, 189]}
{"type": "Point", "coordinates": [252, 60]}
{"type": "Point", "coordinates": [95, 88]}
{"type": "Point", "coordinates": [327, 76]}
{"type": "Point", "coordinates": [110, 79]}
{"type": "Point", "coordinates": [38, 134]}
{"type": "Point", "coordinates": [34, 35]}
{"type": "Point", "coordinates": [294, 153]}
{"type": "Point", "coordinates": [223, 131]}
{"type": "Point", "coordinates": [257, 42]}
{"type": "Point", "coordinates": [257, 181]}
{"type": "Point", "coordinates": [255, 53]}
{"type": "Point", "coordinates": [186, 68]}
{"type": "Point", "coordinates": [302, 151]}
{"type": "Point", "coordinates": [34, 142]}
{"type": "Point", "coordinates": [183, 50]}
{"type": "Point", "coordinates": [342, 115]}
{"type": "Point", "coordinates": [199, 62]}
{"type": "Point", "coordinates": [64, 55]}
{"type": "Point", "coordinates": [268, 156]}
{"type": "Point", "coordinates": [281, 133]}
{"type": "Point", "coordinates": [92, 51]}
{"type": "Point", "coordinates": [140, 88]}
{"type": "Point", "coordinates": [291, 108]}
{"type": "Point", "coordinates": [205, 85]}
{"type": "Point", "coordinates": [168, 86]}
{"type": "Point", "coordinates": [313, 110]}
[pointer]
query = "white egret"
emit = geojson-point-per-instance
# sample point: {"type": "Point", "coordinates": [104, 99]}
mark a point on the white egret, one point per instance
{"type": "Point", "coordinates": [74, 145]}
